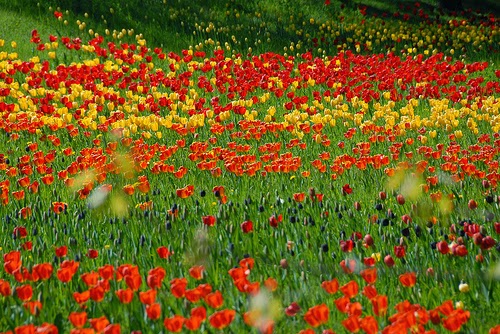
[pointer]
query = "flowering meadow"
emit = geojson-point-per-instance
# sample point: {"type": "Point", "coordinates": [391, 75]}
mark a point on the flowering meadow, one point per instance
{"type": "Point", "coordinates": [345, 184]}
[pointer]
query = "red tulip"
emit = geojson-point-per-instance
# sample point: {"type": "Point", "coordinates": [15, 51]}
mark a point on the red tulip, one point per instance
{"type": "Point", "coordinates": [408, 279]}
{"type": "Point", "coordinates": [330, 286]}
{"type": "Point", "coordinates": [369, 275]}
{"type": "Point", "coordinates": [442, 247]}
{"type": "Point", "coordinates": [292, 309]}
{"type": "Point", "coordinates": [399, 251]}
{"type": "Point", "coordinates": [400, 199]}
{"type": "Point", "coordinates": [174, 324]}
{"type": "Point", "coordinates": [487, 243]}
{"type": "Point", "coordinates": [368, 240]}
{"type": "Point", "coordinates": [247, 226]}
{"type": "Point", "coordinates": [317, 315]}
{"type": "Point", "coordinates": [389, 261]}
{"type": "Point", "coordinates": [208, 220]}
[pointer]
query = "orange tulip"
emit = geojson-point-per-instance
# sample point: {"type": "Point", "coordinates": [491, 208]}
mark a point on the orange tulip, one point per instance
{"type": "Point", "coordinates": [163, 252]}
{"type": "Point", "coordinates": [125, 295]}
{"type": "Point", "coordinates": [99, 324]}
{"type": "Point", "coordinates": [78, 319]}
{"type": "Point", "coordinates": [82, 297]}
{"type": "Point", "coordinates": [43, 270]}
{"type": "Point", "coordinates": [307, 331]}
{"type": "Point", "coordinates": [59, 207]}
{"type": "Point", "coordinates": [351, 324]}
{"type": "Point", "coordinates": [144, 186]}
{"type": "Point", "coordinates": [133, 281]}
{"type": "Point", "coordinates": [18, 195]}
{"type": "Point", "coordinates": [155, 278]}
{"type": "Point", "coordinates": [128, 189]}
{"type": "Point", "coordinates": [90, 279]}
{"type": "Point", "coordinates": [222, 319]}
{"type": "Point", "coordinates": [494, 330]}
{"type": "Point", "coordinates": [446, 308]}
{"type": "Point", "coordinates": [247, 263]}
{"type": "Point", "coordinates": [369, 325]}
{"type": "Point", "coordinates": [178, 287]}
{"type": "Point", "coordinates": [193, 323]}
{"type": "Point", "coordinates": [455, 321]}
{"type": "Point", "coordinates": [369, 291]}
{"type": "Point", "coordinates": [24, 182]}
{"type": "Point", "coordinates": [12, 261]}
{"type": "Point", "coordinates": [112, 329]}
{"type": "Point", "coordinates": [199, 312]}
{"type": "Point", "coordinates": [369, 275]}
{"type": "Point", "coordinates": [271, 284]}
{"type": "Point", "coordinates": [106, 272]}
{"type": "Point", "coordinates": [185, 192]}
{"type": "Point", "coordinates": [33, 306]}
{"type": "Point", "coordinates": [97, 293]}
{"type": "Point", "coordinates": [330, 287]}
{"type": "Point", "coordinates": [193, 295]}
{"type": "Point", "coordinates": [299, 197]}
{"type": "Point", "coordinates": [196, 272]}
{"type": "Point", "coordinates": [24, 292]}
{"type": "Point", "coordinates": [25, 212]}
{"type": "Point", "coordinates": [25, 329]}
{"type": "Point", "coordinates": [350, 289]}
{"type": "Point", "coordinates": [174, 324]}
{"type": "Point", "coordinates": [5, 288]}
{"type": "Point", "coordinates": [354, 309]}
{"type": "Point", "coordinates": [47, 179]}
{"type": "Point", "coordinates": [317, 315]}
{"type": "Point", "coordinates": [65, 274]}
{"type": "Point", "coordinates": [153, 311]}
{"type": "Point", "coordinates": [408, 279]}
{"type": "Point", "coordinates": [342, 303]}
{"type": "Point", "coordinates": [147, 297]}
{"type": "Point", "coordinates": [379, 304]}
{"type": "Point", "coordinates": [214, 299]}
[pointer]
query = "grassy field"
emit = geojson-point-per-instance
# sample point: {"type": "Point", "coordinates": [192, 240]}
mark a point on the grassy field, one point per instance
{"type": "Point", "coordinates": [306, 167]}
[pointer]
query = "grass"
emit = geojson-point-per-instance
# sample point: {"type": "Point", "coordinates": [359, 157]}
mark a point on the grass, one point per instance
{"type": "Point", "coordinates": [232, 110]}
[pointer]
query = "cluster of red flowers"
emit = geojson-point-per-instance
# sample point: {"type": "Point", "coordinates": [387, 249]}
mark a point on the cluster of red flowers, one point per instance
{"type": "Point", "coordinates": [97, 127]}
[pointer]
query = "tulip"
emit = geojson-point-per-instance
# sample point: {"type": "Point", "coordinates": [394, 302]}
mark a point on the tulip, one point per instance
{"type": "Point", "coordinates": [472, 204]}
{"type": "Point", "coordinates": [389, 261]}
{"type": "Point", "coordinates": [463, 287]}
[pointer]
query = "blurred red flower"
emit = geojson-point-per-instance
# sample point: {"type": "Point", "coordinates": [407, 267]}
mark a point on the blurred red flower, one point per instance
{"type": "Point", "coordinates": [408, 279]}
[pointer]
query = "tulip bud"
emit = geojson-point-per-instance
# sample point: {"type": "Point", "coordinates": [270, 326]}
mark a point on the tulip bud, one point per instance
{"type": "Point", "coordinates": [482, 230]}
{"type": "Point", "coordinates": [453, 228]}
{"type": "Point", "coordinates": [389, 261]}
{"type": "Point", "coordinates": [368, 240]}
{"type": "Point", "coordinates": [400, 199]}
{"type": "Point", "coordinates": [463, 287]}
{"type": "Point", "coordinates": [406, 219]}
{"type": "Point", "coordinates": [402, 241]}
